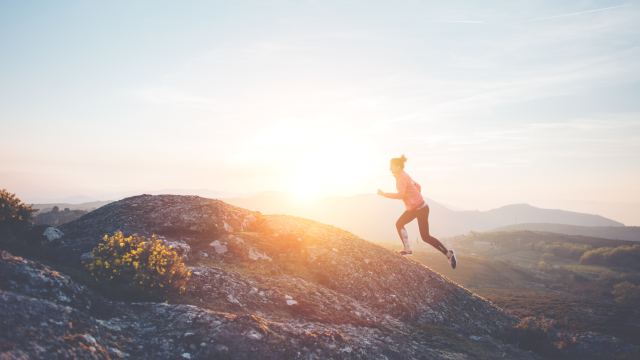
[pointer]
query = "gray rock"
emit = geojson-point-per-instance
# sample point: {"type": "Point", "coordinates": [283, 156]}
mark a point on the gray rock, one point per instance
{"type": "Point", "coordinates": [52, 233]}
{"type": "Point", "coordinates": [218, 246]}
{"type": "Point", "coordinates": [183, 249]}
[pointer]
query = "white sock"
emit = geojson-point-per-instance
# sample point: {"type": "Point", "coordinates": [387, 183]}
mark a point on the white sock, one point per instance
{"type": "Point", "coordinates": [405, 239]}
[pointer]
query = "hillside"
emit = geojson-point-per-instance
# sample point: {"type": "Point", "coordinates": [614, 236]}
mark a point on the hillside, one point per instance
{"type": "Point", "coordinates": [376, 216]}
{"type": "Point", "coordinates": [278, 286]}
{"type": "Point", "coordinates": [630, 233]}
{"type": "Point", "coordinates": [553, 276]}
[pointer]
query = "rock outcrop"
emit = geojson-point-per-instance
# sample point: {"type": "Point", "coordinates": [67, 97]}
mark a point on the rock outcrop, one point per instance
{"type": "Point", "coordinates": [182, 218]}
{"type": "Point", "coordinates": [277, 287]}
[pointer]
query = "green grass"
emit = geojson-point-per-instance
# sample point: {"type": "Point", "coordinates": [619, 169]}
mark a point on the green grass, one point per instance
{"type": "Point", "coordinates": [577, 296]}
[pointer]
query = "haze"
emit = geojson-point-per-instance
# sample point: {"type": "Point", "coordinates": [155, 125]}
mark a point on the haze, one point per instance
{"type": "Point", "coordinates": [492, 102]}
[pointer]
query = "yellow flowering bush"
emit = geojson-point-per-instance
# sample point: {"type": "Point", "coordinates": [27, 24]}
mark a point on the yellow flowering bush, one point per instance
{"type": "Point", "coordinates": [146, 265]}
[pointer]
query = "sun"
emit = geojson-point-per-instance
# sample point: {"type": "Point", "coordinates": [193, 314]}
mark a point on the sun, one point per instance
{"type": "Point", "coordinates": [320, 169]}
{"type": "Point", "coordinates": [307, 187]}
{"type": "Point", "coordinates": [321, 176]}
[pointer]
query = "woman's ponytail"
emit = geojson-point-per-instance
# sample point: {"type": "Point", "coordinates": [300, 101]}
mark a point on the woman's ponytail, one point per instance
{"type": "Point", "coordinates": [399, 161]}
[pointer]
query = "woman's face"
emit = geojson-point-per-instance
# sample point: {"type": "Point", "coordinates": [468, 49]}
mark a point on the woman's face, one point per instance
{"type": "Point", "coordinates": [395, 169]}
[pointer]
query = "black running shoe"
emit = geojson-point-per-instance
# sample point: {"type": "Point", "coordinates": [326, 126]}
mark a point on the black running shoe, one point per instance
{"type": "Point", "coordinates": [452, 259]}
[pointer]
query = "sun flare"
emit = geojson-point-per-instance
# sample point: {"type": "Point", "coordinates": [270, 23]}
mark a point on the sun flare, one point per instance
{"type": "Point", "coordinates": [342, 168]}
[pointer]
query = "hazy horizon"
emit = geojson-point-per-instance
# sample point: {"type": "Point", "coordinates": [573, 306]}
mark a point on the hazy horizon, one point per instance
{"type": "Point", "coordinates": [493, 103]}
{"type": "Point", "coordinates": [303, 204]}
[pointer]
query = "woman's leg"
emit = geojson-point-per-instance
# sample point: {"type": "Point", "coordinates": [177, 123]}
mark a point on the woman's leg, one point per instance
{"type": "Point", "coordinates": [423, 225]}
{"type": "Point", "coordinates": [404, 219]}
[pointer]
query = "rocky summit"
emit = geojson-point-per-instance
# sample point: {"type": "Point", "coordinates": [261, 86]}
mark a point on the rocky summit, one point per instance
{"type": "Point", "coordinates": [267, 286]}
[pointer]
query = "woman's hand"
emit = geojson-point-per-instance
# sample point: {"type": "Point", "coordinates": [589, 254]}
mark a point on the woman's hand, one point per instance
{"type": "Point", "coordinates": [380, 192]}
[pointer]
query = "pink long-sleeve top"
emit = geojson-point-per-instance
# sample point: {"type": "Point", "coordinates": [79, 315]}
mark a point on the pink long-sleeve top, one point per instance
{"type": "Point", "coordinates": [408, 191]}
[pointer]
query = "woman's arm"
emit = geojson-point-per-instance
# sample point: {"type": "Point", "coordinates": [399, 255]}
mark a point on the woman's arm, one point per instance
{"type": "Point", "coordinates": [401, 186]}
{"type": "Point", "coordinates": [390, 195]}
{"type": "Point", "coordinates": [399, 195]}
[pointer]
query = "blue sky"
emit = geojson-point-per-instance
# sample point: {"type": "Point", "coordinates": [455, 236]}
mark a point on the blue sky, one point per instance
{"type": "Point", "coordinates": [492, 102]}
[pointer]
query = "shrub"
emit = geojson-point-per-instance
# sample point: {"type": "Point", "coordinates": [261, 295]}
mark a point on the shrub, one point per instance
{"type": "Point", "coordinates": [540, 335]}
{"type": "Point", "coordinates": [626, 293]}
{"type": "Point", "coordinates": [140, 265]}
{"type": "Point", "coordinates": [15, 218]}
{"type": "Point", "coordinates": [13, 212]}
{"type": "Point", "coordinates": [564, 250]}
{"type": "Point", "coordinates": [568, 250]}
{"type": "Point", "coordinates": [619, 256]}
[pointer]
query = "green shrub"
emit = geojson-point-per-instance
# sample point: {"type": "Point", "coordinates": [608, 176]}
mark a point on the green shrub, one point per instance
{"type": "Point", "coordinates": [12, 210]}
{"type": "Point", "coordinates": [619, 256]}
{"type": "Point", "coordinates": [626, 293]}
{"type": "Point", "coordinates": [540, 335]}
{"type": "Point", "coordinates": [15, 219]}
{"type": "Point", "coordinates": [141, 265]}
{"type": "Point", "coordinates": [563, 250]}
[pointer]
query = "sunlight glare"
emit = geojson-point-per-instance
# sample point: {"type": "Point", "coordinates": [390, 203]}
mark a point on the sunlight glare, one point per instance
{"type": "Point", "coordinates": [339, 168]}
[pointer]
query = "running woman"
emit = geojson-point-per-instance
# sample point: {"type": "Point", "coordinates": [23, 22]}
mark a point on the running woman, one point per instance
{"type": "Point", "coordinates": [416, 207]}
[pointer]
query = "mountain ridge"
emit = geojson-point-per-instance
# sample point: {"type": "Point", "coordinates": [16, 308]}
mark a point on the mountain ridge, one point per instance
{"type": "Point", "coordinates": [373, 218]}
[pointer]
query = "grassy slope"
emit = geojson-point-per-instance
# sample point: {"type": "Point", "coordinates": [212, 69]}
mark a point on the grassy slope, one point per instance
{"type": "Point", "coordinates": [519, 276]}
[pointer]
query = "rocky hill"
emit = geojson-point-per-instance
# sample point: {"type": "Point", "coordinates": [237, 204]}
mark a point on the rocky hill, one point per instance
{"type": "Point", "coordinates": [270, 286]}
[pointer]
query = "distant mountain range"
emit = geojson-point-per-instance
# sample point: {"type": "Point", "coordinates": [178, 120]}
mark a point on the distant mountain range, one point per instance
{"type": "Point", "coordinates": [629, 233]}
{"type": "Point", "coordinates": [373, 217]}
{"type": "Point", "coordinates": [87, 206]}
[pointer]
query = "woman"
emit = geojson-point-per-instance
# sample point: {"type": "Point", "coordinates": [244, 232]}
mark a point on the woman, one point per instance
{"type": "Point", "coordinates": [416, 207]}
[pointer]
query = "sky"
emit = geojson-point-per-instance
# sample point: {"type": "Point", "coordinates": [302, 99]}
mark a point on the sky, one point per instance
{"type": "Point", "coordinates": [492, 102]}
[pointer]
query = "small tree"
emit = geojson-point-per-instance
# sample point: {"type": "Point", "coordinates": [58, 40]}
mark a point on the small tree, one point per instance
{"type": "Point", "coordinates": [13, 212]}
{"type": "Point", "coordinates": [143, 266]}
{"type": "Point", "coordinates": [15, 218]}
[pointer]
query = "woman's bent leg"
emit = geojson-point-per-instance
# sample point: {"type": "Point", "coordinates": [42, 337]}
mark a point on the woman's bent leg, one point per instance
{"type": "Point", "coordinates": [423, 225]}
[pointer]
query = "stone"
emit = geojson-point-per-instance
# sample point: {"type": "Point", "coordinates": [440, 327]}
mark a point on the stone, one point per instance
{"type": "Point", "coordinates": [257, 255]}
{"type": "Point", "coordinates": [219, 247]}
{"type": "Point", "coordinates": [182, 248]}
{"type": "Point", "coordinates": [52, 233]}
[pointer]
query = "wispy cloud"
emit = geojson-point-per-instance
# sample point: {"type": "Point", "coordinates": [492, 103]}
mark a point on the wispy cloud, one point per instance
{"type": "Point", "coordinates": [487, 96]}
{"type": "Point", "coordinates": [463, 21]}
{"type": "Point", "coordinates": [577, 13]}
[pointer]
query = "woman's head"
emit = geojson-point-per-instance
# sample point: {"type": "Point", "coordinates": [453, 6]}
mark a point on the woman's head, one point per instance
{"type": "Point", "coordinates": [397, 164]}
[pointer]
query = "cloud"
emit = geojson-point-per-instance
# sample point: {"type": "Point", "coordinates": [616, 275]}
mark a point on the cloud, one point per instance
{"type": "Point", "coordinates": [462, 21]}
{"type": "Point", "coordinates": [577, 13]}
{"type": "Point", "coordinates": [484, 97]}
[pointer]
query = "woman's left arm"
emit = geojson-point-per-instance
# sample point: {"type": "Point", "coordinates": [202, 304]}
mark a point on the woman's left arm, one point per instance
{"type": "Point", "coordinates": [401, 186]}
{"type": "Point", "coordinates": [392, 195]}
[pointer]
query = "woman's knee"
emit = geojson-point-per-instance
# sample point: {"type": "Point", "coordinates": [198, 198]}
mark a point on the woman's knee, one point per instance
{"type": "Point", "coordinates": [426, 238]}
